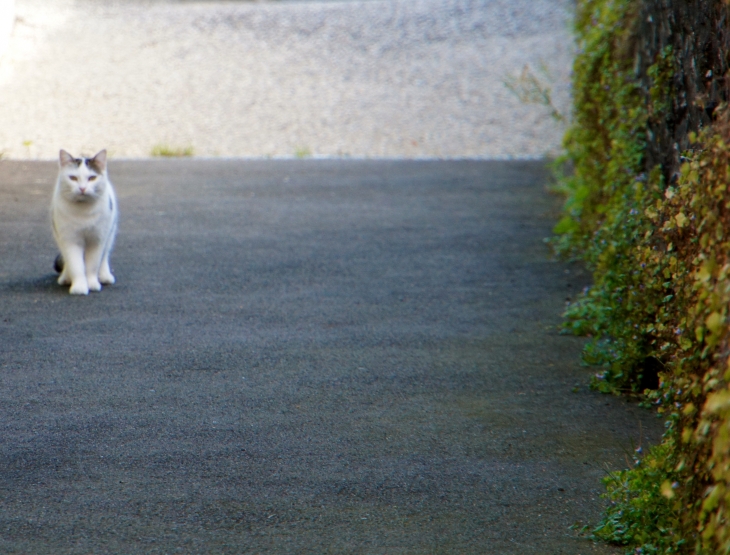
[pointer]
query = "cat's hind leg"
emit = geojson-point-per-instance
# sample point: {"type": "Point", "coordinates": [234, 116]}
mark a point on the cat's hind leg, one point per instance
{"type": "Point", "coordinates": [60, 267]}
{"type": "Point", "coordinates": [105, 272]}
{"type": "Point", "coordinates": [58, 264]}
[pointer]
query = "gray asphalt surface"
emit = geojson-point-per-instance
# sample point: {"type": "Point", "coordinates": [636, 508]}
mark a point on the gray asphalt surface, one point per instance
{"type": "Point", "coordinates": [301, 357]}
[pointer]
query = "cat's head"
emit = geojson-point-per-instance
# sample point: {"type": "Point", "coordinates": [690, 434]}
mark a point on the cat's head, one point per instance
{"type": "Point", "coordinates": [82, 179]}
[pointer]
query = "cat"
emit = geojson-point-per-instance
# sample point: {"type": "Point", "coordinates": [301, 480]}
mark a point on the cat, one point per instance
{"type": "Point", "coordinates": [84, 216]}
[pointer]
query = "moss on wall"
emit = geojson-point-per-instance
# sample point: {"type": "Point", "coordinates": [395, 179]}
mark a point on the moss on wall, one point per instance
{"type": "Point", "coordinates": [648, 208]}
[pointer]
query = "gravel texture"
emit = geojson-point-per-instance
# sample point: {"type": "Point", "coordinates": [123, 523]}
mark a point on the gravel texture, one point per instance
{"type": "Point", "coordinates": [7, 17]}
{"type": "Point", "coordinates": [413, 78]}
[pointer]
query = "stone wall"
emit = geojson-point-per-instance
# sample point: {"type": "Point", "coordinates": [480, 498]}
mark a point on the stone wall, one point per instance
{"type": "Point", "coordinates": [698, 34]}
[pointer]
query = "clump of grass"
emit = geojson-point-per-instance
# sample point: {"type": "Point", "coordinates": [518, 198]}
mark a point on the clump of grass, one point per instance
{"type": "Point", "coordinates": [167, 151]}
{"type": "Point", "coordinates": [302, 152]}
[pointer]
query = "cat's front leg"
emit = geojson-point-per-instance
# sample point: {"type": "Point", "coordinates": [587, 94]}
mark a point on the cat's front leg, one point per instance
{"type": "Point", "coordinates": [74, 271]}
{"type": "Point", "coordinates": [92, 259]}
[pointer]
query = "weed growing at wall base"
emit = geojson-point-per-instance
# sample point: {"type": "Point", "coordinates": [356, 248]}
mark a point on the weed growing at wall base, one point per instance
{"type": "Point", "coordinates": [302, 152]}
{"type": "Point", "coordinates": [659, 307]}
{"type": "Point", "coordinates": [167, 151]}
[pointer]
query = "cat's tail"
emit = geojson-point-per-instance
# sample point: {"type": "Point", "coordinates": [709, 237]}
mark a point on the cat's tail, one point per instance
{"type": "Point", "coordinates": [58, 264]}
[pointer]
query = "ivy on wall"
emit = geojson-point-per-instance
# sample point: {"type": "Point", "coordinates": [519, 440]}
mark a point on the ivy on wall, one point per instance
{"type": "Point", "coordinates": [655, 229]}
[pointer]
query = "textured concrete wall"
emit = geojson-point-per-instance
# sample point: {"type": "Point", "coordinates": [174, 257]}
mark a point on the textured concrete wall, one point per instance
{"type": "Point", "coordinates": [7, 17]}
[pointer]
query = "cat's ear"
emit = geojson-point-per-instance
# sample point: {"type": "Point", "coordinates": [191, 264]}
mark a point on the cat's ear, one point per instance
{"type": "Point", "coordinates": [65, 159]}
{"type": "Point", "coordinates": [98, 162]}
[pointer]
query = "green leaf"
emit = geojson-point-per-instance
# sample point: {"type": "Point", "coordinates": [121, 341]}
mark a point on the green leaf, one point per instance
{"type": "Point", "coordinates": [565, 225]}
{"type": "Point", "coordinates": [714, 322]}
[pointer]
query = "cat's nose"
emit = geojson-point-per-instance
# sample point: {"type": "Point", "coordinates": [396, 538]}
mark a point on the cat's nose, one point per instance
{"type": "Point", "coordinates": [82, 189]}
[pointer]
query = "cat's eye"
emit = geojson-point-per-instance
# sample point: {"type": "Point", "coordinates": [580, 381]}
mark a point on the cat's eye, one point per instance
{"type": "Point", "coordinates": [73, 178]}
{"type": "Point", "coordinates": [92, 177]}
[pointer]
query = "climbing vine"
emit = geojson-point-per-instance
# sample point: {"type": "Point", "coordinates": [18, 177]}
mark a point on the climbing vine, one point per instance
{"type": "Point", "coordinates": [604, 220]}
{"type": "Point", "coordinates": [657, 313]}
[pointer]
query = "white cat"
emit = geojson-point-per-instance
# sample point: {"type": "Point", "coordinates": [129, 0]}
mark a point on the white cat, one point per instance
{"type": "Point", "coordinates": [84, 216]}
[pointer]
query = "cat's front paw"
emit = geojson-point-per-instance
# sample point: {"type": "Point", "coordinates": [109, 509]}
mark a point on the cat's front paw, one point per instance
{"type": "Point", "coordinates": [94, 285]}
{"type": "Point", "coordinates": [63, 279]}
{"type": "Point", "coordinates": [79, 288]}
{"type": "Point", "coordinates": [106, 278]}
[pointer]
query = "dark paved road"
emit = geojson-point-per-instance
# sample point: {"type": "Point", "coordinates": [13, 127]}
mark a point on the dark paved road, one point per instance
{"type": "Point", "coordinates": [300, 357]}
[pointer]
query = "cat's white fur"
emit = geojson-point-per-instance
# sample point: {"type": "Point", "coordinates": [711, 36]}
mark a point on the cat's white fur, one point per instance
{"type": "Point", "coordinates": [84, 215]}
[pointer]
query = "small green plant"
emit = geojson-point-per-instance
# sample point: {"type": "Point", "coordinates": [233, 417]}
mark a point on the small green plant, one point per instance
{"type": "Point", "coordinates": [530, 89]}
{"type": "Point", "coordinates": [302, 152]}
{"type": "Point", "coordinates": [660, 256]}
{"type": "Point", "coordinates": [166, 151]}
{"type": "Point", "coordinates": [642, 507]}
